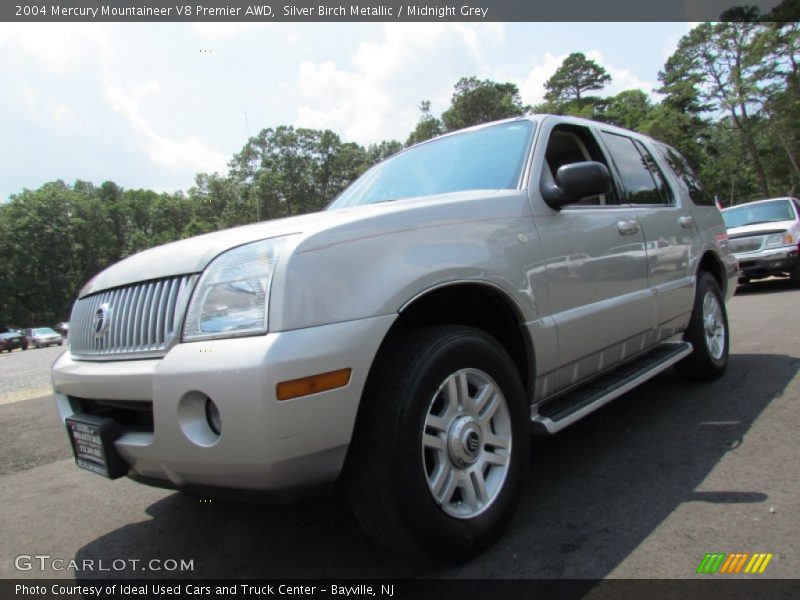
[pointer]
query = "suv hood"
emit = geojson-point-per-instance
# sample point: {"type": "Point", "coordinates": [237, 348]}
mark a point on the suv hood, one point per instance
{"type": "Point", "coordinates": [192, 255]}
{"type": "Point", "coordinates": [760, 228]}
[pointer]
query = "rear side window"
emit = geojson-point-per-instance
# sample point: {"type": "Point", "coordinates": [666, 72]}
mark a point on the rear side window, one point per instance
{"type": "Point", "coordinates": [634, 162]}
{"type": "Point", "coordinates": [684, 175]}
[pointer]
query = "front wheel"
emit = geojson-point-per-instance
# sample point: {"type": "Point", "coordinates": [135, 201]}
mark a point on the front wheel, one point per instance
{"type": "Point", "coordinates": [440, 444]}
{"type": "Point", "coordinates": [708, 332]}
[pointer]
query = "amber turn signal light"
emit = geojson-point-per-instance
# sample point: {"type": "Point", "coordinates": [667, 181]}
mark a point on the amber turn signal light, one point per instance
{"type": "Point", "coordinates": [286, 390]}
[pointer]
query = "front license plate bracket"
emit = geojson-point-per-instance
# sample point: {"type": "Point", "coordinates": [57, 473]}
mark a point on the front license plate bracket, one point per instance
{"type": "Point", "coordinates": [92, 440]}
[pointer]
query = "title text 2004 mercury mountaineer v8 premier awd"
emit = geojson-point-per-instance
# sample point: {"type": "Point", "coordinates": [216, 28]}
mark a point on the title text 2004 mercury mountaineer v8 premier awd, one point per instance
{"type": "Point", "coordinates": [511, 276]}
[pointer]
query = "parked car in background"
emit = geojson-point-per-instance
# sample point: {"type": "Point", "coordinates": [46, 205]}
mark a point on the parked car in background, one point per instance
{"type": "Point", "coordinates": [62, 328]}
{"type": "Point", "coordinates": [765, 238]}
{"type": "Point", "coordinates": [28, 342]}
{"type": "Point", "coordinates": [11, 341]}
{"type": "Point", "coordinates": [44, 336]}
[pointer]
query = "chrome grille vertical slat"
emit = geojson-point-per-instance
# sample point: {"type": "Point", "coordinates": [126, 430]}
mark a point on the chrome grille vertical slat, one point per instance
{"type": "Point", "coordinates": [113, 333]}
{"type": "Point", "coordinates": [158, 332]}
{"type": "Point", "coordinates": [135, 318]}
{"type": "Point", "coordinates": [169, 321]}
{"type": "Point", "coordinates": [142, 315]}
{"type": "Point", "coordinates": [118, 322]}
{"type": "Point", "coordinates": [126, 321]}
{"type": "Point", "coordinates": [94, 307]}
{"type": "Point", "coordinates": [151, 315]}
{"type": "Point", "coordinates": [143, 319]}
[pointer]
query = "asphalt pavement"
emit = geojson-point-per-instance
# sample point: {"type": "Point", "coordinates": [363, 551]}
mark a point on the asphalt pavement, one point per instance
{"type": "Point", "coordinates": [642, 488]}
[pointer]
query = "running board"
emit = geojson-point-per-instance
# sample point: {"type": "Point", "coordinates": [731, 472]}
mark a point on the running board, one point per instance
{"type": "Point", "coordinates": [562, 411]}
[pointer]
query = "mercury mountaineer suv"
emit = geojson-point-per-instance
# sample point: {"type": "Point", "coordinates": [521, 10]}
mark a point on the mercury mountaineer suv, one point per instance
{"type": "Point", "coordinates": [404, 342]}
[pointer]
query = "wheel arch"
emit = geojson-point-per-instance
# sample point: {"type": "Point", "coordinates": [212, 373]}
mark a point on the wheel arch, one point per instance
{"type": "Point", "coordinates": [711, 263]}
{"type": "Point", "coordinates": [482, 305]}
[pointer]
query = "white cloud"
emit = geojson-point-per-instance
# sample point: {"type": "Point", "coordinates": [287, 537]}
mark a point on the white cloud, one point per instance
{"type": "Point", "coordinates": [189, 151]}
{"type": "Point", "coordinates": [621, 78]}
{"type": "Point", "coordinates": [59, 45]}
{"type": "Point", "coordinates": [376, 95]}
{"type": "Point", "coordinates": [531, 87]}
{"type": "Point", "coordinates": [218, 31]}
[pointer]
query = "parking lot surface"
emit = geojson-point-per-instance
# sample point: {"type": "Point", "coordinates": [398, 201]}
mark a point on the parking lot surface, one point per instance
{"type": "Point", "coordinates": [642, 488]}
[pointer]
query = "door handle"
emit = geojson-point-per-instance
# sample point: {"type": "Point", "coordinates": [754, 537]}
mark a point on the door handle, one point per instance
{"type": "Point", "coordinates": [686, 222]}
{"type": "Point", "coordinates": [627, 227]}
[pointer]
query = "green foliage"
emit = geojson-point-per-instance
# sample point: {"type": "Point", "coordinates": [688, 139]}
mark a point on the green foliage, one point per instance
{"type": "Point", "coordinates": [576, 75]}
{"type": "Point", "coordinates": [476, 102]}
{"type": "Point", "coordinates": [428, 126]}
{"type": "Point", "coordinates": [630, 109]}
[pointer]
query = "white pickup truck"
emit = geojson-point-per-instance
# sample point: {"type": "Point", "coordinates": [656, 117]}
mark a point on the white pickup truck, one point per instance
{"type": "Point", "coordinates": [510, 277]}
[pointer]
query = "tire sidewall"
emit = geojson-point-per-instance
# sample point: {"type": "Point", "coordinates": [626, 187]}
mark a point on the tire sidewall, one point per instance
{"type": "Point", "coordinates": [453, 537]}
{"type": "Point", "coordinates": [706, 284]}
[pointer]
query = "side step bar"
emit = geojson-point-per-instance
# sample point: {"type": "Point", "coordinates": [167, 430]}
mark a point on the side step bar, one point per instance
{"type": "Point", "coordinates": [564, 410]}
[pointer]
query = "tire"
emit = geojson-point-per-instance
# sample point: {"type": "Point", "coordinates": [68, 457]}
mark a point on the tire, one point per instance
{"type": "Point", "coordinates": [709, 359]}
{"type": "Point", "coordinates": [408, 432]}
{"type": "Point", "coordinates": [794, 276]}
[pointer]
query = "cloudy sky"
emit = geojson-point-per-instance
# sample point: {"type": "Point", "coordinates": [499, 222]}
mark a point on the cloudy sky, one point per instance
{"type": "Point", "coordinates": [150, 105]}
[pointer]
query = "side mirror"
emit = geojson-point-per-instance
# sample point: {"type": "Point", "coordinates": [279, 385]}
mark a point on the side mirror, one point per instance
{"type": "Point", "coordinates": [574, 182]}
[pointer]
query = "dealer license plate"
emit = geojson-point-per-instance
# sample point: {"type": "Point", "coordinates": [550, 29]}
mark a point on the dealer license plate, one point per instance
{"type": "Point", "coordinates": [92, 440]}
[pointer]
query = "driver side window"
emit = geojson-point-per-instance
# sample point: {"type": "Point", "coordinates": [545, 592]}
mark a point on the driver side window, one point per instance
{"type": "Point", "coordinates": [570, 144]}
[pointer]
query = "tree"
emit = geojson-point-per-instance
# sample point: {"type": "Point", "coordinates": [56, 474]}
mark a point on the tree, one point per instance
{"type": "Point", "coordinates": [630, 109]}
{"type": "Point", "coordinates": [576, 76]}
{"type": "Point", "coordinates": [287, 171]}
{"type": "Point", "coordinates": [725, 65]}
{"type": "Point", "coordinates": [476, 102]}
{"type": "Point", "coordinates": [427, 127]}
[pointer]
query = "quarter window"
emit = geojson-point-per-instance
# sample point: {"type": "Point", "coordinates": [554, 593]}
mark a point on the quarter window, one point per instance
{"type": "Point", "coordinates": [685, 176]}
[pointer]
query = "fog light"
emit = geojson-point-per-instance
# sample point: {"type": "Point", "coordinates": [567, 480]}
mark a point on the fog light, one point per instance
{"type": "Point", "coordinates": [212, 416]}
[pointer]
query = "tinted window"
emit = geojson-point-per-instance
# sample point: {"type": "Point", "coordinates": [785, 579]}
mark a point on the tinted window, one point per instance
{"type": "Point", "coordinates": [752, 214]}
{"type": "Point", "coordinates": [636, 175]}
{"type": "Point", "coordinates": [658, 176]}
{"type": "Point", "coordinates": [486, 159]}
{"type": "Point", "coordinates": [685, 176]}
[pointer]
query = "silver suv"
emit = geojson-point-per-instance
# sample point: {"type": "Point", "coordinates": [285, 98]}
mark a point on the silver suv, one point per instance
{"type": "Point", "coordinates": [765, 238]}
{"type": "Point", "coordinates": [513, 276]}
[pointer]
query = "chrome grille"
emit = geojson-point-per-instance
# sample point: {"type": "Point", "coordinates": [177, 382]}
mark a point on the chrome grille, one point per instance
{"type": "Point", "coordinates": [143, 319]}
{"type": "Point", "coordinates": [748, 244]}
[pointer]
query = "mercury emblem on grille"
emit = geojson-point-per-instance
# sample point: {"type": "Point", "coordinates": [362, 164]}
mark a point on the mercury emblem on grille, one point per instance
{"type": "Point", "coordinates": [102, 320]}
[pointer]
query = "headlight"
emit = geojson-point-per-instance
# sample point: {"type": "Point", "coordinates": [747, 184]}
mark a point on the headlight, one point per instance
{"type": "Point", "coordinates": [232, 296]}
{"type": "Point", "coordinates": [780, 239]}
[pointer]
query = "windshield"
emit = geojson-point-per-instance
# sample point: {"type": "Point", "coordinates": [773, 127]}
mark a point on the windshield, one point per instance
{"type": "Point", "coordinates": [752, 214]}
{"type": "Point", "coordinates": [43, 331]}
{"type": "Point", "coordinates": [486, 159]}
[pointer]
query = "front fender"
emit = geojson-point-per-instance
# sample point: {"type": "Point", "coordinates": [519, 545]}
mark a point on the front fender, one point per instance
{"type": "Point", "coordinates": [373, 267]}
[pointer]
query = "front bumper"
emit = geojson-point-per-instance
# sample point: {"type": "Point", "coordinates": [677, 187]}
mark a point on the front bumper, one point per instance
{"type": "Point", "coordinates": [766, 263]}
{"type": "Point", "coordinates": [265, 444]}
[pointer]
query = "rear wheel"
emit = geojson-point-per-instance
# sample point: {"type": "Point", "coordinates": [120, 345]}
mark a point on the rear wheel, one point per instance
{"type": "Point", "coordinates": [708, 332]}
{"type": "Point", "coordinates": [440, 444]}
